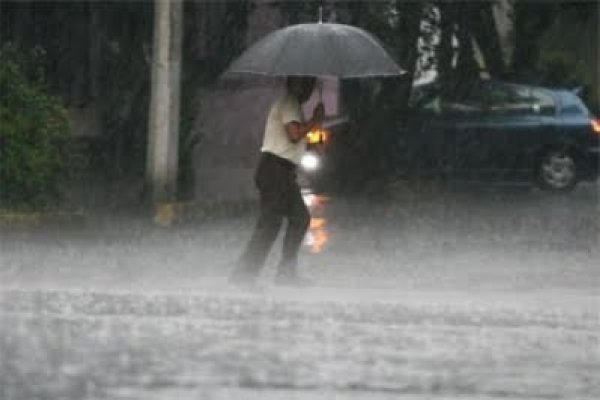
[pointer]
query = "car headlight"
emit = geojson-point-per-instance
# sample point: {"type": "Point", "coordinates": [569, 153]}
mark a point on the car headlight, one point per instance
{"type": "Point", "coordinates": [310, 162]}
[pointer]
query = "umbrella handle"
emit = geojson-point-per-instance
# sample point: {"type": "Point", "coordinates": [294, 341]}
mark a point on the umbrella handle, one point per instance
{"type": "Point", "coordinates": [320, 14]}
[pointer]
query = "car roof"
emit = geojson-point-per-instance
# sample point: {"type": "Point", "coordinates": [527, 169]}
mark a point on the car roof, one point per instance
{"type": "Point", "coordinates": [435, 84]}
{"type": "Point", "coordinates": [562, 95]}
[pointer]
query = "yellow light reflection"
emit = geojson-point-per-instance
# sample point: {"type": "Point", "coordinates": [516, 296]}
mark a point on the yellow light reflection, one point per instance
{"type": "Point", "coordinates": [317, 223]}
{"type": "Point", "coordinates": [314, 201]}
{"type": "Point", "coordinates": [317, 235]}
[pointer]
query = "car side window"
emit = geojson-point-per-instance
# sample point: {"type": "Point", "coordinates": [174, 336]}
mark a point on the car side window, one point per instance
{"type": "Point", "coordinates": [463, 101]}
{"type": "Point", "coordinates": [544, 103]}
{"type": "Point", "coordinates": [510, 100]}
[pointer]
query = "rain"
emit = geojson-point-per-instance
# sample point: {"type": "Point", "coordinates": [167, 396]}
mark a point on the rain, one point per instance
{"type": "Point", "coordinates": [422, 285]}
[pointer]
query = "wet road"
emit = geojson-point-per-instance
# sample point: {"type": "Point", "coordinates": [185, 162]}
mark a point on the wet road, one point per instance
{"type": "Point", "coordinates": [461, 293]}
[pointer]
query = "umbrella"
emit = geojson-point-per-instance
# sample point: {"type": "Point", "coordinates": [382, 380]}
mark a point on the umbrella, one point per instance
{"type": "Point", "coordinates": [317, 49]}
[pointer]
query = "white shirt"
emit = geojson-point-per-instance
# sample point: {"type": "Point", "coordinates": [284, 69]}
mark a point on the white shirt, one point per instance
{"type": "Point", "coordinates": [276, 141]}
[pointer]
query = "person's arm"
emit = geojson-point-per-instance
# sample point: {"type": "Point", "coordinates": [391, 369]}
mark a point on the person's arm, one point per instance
{"type": "Point", "coordinates": [297, 130]}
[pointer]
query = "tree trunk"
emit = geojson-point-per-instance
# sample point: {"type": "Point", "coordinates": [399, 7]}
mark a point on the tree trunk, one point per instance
{"type": "Point", "coordinates": [409, 29]}
{"type": "Point", "coordinates": [445, 50]}
{"type": "Point", "coordinates": [164, 108]}
{"type": "Point", "coordinates": [531, 18]}
{"type": "Point", "coordinates": [467, 67]}
{"type": "Point", "coordinates": [94, 49]}
{"type": "Point", "coordinates": [482, 25]}
{"type": "Point", "coordinates": [175, 63]}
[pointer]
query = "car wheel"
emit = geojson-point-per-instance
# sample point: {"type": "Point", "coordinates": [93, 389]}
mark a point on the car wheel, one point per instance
{"type": "Point", "coordinates": [557, 171]}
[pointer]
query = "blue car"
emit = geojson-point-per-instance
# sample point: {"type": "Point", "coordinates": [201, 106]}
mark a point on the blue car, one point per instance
{"type": "Point", "coordinates": [489, 130]}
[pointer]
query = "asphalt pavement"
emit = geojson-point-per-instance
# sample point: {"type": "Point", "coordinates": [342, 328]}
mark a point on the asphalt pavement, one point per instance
{"type": "Point", "coordinates": [468, 292]}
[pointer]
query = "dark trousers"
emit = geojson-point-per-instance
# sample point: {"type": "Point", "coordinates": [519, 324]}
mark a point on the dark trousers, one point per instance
{"type": "Point", "coordinates": [280, 198]}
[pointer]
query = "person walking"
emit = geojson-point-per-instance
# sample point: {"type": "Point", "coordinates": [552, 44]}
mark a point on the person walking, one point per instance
{"type": "Point", "coordinates": [280, 197]}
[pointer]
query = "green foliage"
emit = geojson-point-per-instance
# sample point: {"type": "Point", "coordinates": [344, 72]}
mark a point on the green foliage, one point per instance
{"type": "Point", "coordinates": [561, 68]}
{"type": "Point", "coordinates": [33, 132]}
{"type": "Point", "coordinates": [564, 69]}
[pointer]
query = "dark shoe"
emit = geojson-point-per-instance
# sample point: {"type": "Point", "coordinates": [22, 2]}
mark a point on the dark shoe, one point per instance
{"type": "Point", "coordinates": [292, 280]}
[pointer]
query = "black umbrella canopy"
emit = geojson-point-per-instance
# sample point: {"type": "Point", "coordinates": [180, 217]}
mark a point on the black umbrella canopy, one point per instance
{"type": "Point", "coordinates": [319, 49]}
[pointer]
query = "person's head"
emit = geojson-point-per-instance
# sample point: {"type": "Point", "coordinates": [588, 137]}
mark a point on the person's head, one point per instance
{"type": "Point", "coordinates": [300, 86]}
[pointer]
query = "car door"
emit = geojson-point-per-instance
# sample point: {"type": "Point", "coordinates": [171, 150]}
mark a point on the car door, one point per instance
{"type": "Point", "coordinates": [511, 129]}
{"type": "Point", "coordinates": [462, 112]}
{"type": "Point", "coordinates": [426, 138]}
{"type": "Point", "coordinates": [443, 127]}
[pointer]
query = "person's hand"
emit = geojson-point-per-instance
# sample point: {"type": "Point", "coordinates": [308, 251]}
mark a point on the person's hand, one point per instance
{"type": "Point", "coordinates": [319, 113]}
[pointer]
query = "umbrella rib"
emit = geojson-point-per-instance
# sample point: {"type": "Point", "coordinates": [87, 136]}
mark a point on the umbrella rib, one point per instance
{"type": "Point", "coordinates": [326, 49]}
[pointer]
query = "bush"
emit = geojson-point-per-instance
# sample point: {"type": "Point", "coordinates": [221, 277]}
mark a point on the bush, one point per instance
{"type": "Point", "coordinates": [34, 129]}
{"type": "Point", "coordinates": [561, 68]}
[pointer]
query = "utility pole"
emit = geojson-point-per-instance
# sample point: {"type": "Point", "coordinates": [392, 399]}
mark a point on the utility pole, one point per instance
{"type": "Point", "coordinates": [163, 134]}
